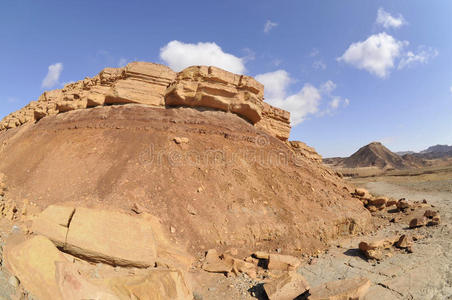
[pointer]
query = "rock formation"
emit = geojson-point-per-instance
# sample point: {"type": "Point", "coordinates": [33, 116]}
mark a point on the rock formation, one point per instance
{"type": "Point", "coordinates": [157, 85]}
{"type": "Point", "coordinates": [139, 168]}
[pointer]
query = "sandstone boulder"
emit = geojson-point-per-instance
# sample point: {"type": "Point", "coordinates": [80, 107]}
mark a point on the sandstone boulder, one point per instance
{"type": "Point", "coordinates": [378, 201]}
{"type": "Point", "coordinates": [418, 222]}
{"type": "Point", "coordinates": [53, 223]}
{"type": "Point", "coordinates": [377, 249]}
{"type": "Point", "coordinates": [287, 287]}
{"type": "Point", "coordinates": [99, 235]}
{"type": "Point", "coordinates": [282, 262]}
{"type": "Point", "coordinates": [346, 289]}
{"type": "Point", "coordinates": [157, 284]}
{"type": "Point", "coordinates": [111, 237]}
{"type": "Point", "coordinates": [33, 262]}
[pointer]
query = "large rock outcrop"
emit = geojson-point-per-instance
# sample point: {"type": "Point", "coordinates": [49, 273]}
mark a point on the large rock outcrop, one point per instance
{"type": "Point", "coordinates": [157, 85]}
{"type": "Point", "coordinates": [202, 86]}
{"type": "Point", "coordinates": [207, 175]}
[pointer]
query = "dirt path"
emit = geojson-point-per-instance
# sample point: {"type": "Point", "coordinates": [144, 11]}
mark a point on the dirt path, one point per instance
{"type": "Point", "coordinates": [424, 274]}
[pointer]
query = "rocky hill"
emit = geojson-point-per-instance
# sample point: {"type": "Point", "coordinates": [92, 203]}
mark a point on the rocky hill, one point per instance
{"type": "Point", "coordinates": [182, 140]}
{"type": "Point", "coordinates": [375, 155]}
{"type": "Point", "coordinates": [198, 152]}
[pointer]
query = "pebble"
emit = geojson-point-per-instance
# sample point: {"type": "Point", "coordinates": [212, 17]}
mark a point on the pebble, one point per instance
{"type": "Point", "coordinates": [14, 281]}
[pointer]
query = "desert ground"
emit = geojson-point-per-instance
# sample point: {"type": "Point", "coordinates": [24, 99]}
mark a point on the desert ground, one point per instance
{"type": "Point", "coordinates": [424, 274]}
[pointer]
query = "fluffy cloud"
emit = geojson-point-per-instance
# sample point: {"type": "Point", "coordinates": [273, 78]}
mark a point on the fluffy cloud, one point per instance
{"type": "Point", "coordinates": [269, 25]}
{"type": "Point", "coordinates": [275, 83]}
{"type": "Point", "coordinates": [53, 75]}
{"type": "Point", "coordinates": [422, 56]}
{"type": "Point", "coordinates": [386, 20]}
{"type": "Point", "coordinates": [302, 104]}
{"type": "Point", "coordinates": [180, 55]}
{"type": "Point", "coordinates": [376, 55]}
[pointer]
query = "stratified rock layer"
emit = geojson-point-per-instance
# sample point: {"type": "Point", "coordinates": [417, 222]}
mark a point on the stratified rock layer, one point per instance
{"type": "Point", "coordinates": [222, 187]}
{"type": "Point", "coordinates": [157, 85]}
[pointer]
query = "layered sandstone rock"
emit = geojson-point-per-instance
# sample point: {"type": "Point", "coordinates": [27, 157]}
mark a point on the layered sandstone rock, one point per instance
{"type": "Point", "coordinates": [276, 121]}
{"type": "Point", "coordinates": [201, 86]}
{"type": "Point", "coordinates": [157, 85]}
{"type": "Point", "coordinates": [305, 151]}
{"type": "Point", "coordinates": [138, 82]}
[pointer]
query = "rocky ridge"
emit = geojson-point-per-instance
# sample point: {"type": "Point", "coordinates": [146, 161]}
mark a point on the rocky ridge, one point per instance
{"type": "Point", "coordinates": [157, 85]}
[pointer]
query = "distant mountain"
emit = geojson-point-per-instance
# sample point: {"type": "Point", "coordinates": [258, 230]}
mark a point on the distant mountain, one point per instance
{"type": "Point", "coordinates": [401, 153]}
{"type": "Point", "coordinates": [376, 155]}
{"type": "Point", "coordinates": [437, 149]}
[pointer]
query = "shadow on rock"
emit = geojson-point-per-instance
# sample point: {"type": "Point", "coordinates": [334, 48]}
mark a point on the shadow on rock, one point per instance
{"type": "Point", "coordinates": [355, 253]}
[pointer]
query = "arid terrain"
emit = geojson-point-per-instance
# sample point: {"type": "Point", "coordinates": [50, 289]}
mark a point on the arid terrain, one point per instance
{"type": "Point", "coordinates": [143, 183]}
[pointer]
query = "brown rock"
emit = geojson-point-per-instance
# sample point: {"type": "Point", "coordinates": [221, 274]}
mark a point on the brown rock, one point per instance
{"type": "Point", "coordinates": [377, 249]}
{"type": "Point", "coordinates": [156, 284]}
{"type": "Point", "coordinates": [261, 255]}
{"type": "Point", "coordinates": [354, 288]}
{"type": "Point", "coordinates": [201, 86]}
{"type": "Point", "coordinates": [282, 262]}
{"type": "Point", "coordinates": [214, 264]}
{"type": "Point", "coordinates": [276, 121]}
{"type": "Point", "coordinates": [404, 242]}
{"type": "Point", "coordinates": [287, 287]}
{"type": "Point", "coordinates": [391, 202]}
{"type": "Point", "coordinates": [304, 150]}
{"type": "Point", "coordinates": [73, 286]}
{"type": "Point", "coordinates": [33, 262]}
{"type": "Point", "coordinates": [361, 192]}
{"type": "Point", "coordinates": [436, 220]}
{"type": "Point", "coordinates": [53, 223]}
{"type": "Point", "coordinates": [430, 214]}
{"type": "Point", "coordinates": [418, 222]}
{"type": "Point", "coordinates": [403, 205]}
{"type": "Point", "coordinates": [111, 237]}
{"type": "Point", "coordinates": [378, 201]}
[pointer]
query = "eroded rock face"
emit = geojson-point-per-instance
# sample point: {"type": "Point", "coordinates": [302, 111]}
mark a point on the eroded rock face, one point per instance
{"type": "Point", "coordinates": [201, 86]}
{"type": "Point", "coordinates": [276, 121]}
{"type": "Point", "coordinates": [304, 150]}
{"type": "Point", "coordinates": [157, 85]}
{"type": "Point", "coordinates": [138, 82]}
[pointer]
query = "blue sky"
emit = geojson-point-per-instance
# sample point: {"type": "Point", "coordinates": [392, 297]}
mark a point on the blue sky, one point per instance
{"type": "Point", "coordinates": [350, 72]}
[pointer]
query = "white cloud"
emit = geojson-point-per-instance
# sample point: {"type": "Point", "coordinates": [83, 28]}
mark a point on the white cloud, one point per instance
{"type": "Point", "coordinates": [269, 25]}
{"type": "Point", "coordinates": [319, 65]}
{"type": "Point", "coordinates": [386, 20]}
{"type": "Point", "coordinates": [53, 75]}
{"type": "Point", "coordinates": [334, 104]}
{"type": "Point", "coordinates": [180, 55]}
{"type": "Point", "coordinates": [328, 87]}
{"type": "Point", "coordinates": [275, 83]}
{"type": "Point", "coordinates": [375, 55]}
{"type": "Point", "coordinates": [302, 104]}
{"type": "Point", "coordinates": [122, 62]}
{"type": "Point", "coordinates": [451, 89]}
{"type": "Point", "coordinates": [421, 57]}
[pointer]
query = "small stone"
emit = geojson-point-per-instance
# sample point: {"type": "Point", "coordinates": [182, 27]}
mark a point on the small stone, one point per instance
{"type": "Point", "coordinates": [430, 214]}
{"type": "Point", "coordinates": [417, 222]}
{"type": "Point", "coordinates": [403, 242]}
{"type": "Point", "coordinates": [137, 208]}
{"type": "Point", "coordinates": [172, 229]}
{"type": "Point", "coordinates": [14, 281]}
{"type": "Point", "coordinates": [181, 140]}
